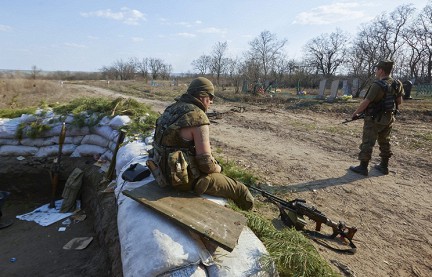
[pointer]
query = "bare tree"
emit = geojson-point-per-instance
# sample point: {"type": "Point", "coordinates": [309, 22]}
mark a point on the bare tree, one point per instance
{"type": "Point", "coordinates": [125, 70]}
{"type": "Point", "coordinates": [282, 67]}
{"type": "Point", "coordinates": [143, 67]}
{"type": "Point", "coordinates": [218, 59]}
{"type": "Point", "coordinates": [265, 50]}
{"type": "Point", "coordinates": [389, 30]}
{"type": "Point", "coordinates": [166, 71]}
{"type": "Point", "coordinates": [233, 71]}
{"type": "Point", "coordinates": [250, 69]}
{"type": "Point", "coordinates": [155, 66]}
{"type": "Point", "coordinates": [35, 72]}
{"type": "Point", "coordinates": [202, 64]}
{"type": "Point", "coordinates": [327, 52]}
{"type": "Point", "coordinates": [424, 36]}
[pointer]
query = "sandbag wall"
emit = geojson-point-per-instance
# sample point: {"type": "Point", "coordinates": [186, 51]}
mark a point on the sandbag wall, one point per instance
{"type": "Point", "coordinates": [98, 138]}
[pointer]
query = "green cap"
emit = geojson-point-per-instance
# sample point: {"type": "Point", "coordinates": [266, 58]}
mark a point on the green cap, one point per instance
{"type": "Point", "coordinates": [387, 65]}
{"type": "Point", "coordinates": [201, 87]}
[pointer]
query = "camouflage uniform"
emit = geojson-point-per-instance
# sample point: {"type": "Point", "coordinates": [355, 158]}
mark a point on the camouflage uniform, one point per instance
{"type": "Point", "coordinates": [189, 111]}
{"type": "Point", "coordinates": [377, 127]}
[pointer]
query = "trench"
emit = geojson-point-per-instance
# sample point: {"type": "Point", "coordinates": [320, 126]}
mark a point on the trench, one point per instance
{"type": "Point", "coordinates": [28, 249]}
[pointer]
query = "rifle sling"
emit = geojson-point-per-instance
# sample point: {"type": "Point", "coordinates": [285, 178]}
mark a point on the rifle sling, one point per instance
{"type": "Point", "coordinates": [319, 238]}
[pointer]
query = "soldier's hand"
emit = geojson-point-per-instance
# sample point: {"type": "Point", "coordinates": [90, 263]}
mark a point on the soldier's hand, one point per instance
{"type": "Point", "coordinates": [218, 164]}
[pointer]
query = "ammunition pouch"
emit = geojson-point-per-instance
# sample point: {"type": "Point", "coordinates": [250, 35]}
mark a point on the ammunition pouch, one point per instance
{"type": "Point", "coordinates": [173, 167]}
{"type": "Point", "coordinates": [153, 163]}
{"type": "Point", "coordinates": [178, 169]}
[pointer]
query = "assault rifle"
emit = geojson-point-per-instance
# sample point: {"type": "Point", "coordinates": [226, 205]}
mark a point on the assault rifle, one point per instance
{"type": "Point", "coordinates": [357, 117]}
{"type": "Point", "coordinates": [292, 215]}
{"type": "Point", "coordinates": [214, 114]}
{"type": "Point", "coordinates": [55, 168]}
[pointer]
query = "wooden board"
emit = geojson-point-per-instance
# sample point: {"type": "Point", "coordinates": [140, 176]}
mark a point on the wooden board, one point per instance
{"type": "Point", "coordinates": [219, 224]}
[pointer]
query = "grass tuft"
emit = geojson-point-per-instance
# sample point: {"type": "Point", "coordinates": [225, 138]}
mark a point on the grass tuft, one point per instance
{"type": "Point", "coordinates": [289, 250]}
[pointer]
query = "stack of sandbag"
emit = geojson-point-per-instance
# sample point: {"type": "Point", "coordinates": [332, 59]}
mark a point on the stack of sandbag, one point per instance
{"type": "Point", "coordinates": [94, 139]}
{"type": "Point", "coordinates": [154, 245]}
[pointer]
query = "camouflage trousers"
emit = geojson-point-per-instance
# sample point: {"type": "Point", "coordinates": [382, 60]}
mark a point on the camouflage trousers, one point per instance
{"type": "Point", "coordinates": [217, 184]}
{"type": "Point", "coordinates": [373, 132]}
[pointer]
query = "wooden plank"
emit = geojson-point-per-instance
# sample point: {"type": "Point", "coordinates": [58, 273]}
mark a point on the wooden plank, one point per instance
{"type": "Point", "coordinates": [219, 224]}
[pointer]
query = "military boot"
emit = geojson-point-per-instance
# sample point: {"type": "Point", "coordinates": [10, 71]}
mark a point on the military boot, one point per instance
{"type": "Point", "coordinates": [361, 169]}
{"type": "Point", "coordinates": [383, 166]}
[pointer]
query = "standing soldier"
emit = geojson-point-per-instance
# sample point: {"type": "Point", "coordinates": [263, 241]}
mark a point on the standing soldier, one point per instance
{"type": "Point", "coordinates": [379, 105]}
{"type": "Point", "coordinates": [182, 156]}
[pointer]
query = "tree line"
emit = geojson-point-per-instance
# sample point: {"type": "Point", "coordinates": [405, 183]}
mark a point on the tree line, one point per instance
{"type": "Point", "coordinates": [403, 35]}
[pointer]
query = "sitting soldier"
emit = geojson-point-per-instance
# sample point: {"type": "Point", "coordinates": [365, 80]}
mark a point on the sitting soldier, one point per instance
{"type": "Point", "coordinates": [182, 151]}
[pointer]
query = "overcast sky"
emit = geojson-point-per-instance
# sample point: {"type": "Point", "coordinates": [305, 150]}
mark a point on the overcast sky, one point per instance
{"type": "Point", "coordinates": [85, 35]}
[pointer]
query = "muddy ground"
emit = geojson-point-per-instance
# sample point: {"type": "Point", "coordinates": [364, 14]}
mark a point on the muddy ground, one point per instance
{"type": "Point", "coordinates": [306, 154]}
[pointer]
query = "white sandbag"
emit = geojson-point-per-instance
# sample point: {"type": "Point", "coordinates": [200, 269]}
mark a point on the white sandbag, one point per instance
{"type": "Point", "coordinates": [68, 139]}
{"type": "Point", "coordinates": [244, 260]}
{"type": "Point", "coordinates": [148, 140]}
{"type": "Point", "coordinates": [9, 127]}
{"type": "Point", "coordinates": [77, 131]}
{"type": "Point", "coordinates": [166, 246]}
{"type": "Point", "coordinates": [70, 130]}
{"type": "Point", "coordinates": [52, 150]}
{"type": "Point", "coordinates": [27, 118]}
{"type": "Point", "coordinates": [104, 121]}
{"type": "Point", "coordinates": [69, 119]}
{"type": "Point", "coordinates": [105, 131]}
{"type": "Point", "coordinates": [17, 150]}
{"type": "Point", "coordinates": [9, 141]}
{"type": "Point", "coordinates": [112, 145]}
{"type": "Point", "coordinates": [119, 121]}
{"type": "Point", "coordinates": [46, 112]}
{"type": "Point", "coordinates": [38, 142]}
{"type": "Point", "coordinates": [128, 152]}
{"type": "Point", "coordinates": [95, 140]}
{"type": "Point", "coordinates": [107, 156]}
{"type": "Point", "coordinates": [86, 150]}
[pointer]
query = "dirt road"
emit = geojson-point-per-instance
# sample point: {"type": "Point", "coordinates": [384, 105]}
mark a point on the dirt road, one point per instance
{"type": "Point", "coordinates": [307, 155]}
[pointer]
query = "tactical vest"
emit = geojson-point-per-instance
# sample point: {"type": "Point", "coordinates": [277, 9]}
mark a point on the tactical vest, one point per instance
{"type": "Point", "coordinates": [188, 111]}
{"type": "Point", "coordinates": [387, 103]}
